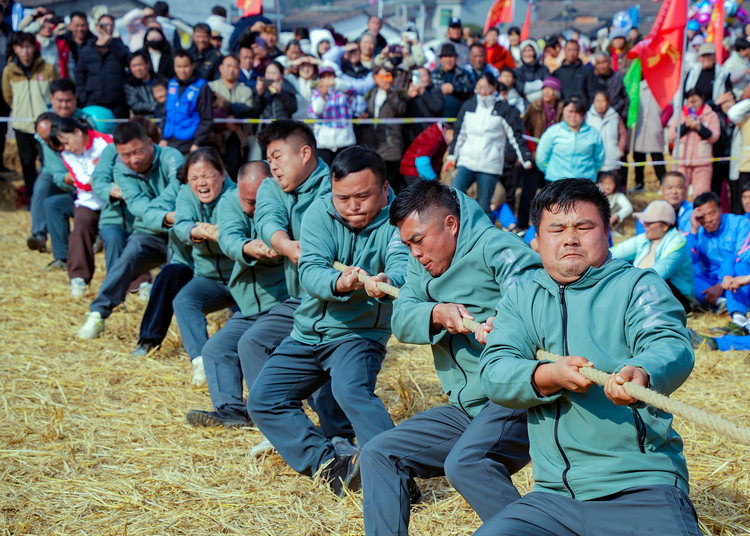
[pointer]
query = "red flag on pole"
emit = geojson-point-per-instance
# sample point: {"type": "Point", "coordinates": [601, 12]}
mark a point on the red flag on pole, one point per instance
{"type": "Point", "coordinates": [527, 24]}
{"type": "Point", "coordinates": [250, 7]}
{"type": "Point", "coordinates": [661, 51]}
{"type": "Point", "coordinates": [716, 31]}
{"type": "Point", "coordinates": [500, 12]}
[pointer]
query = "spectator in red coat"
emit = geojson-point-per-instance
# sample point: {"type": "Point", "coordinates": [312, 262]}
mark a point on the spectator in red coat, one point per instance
{"type": "Point", "coordinates": [497, 55]}
{"type": "Point", "coordinates": [424, 157]}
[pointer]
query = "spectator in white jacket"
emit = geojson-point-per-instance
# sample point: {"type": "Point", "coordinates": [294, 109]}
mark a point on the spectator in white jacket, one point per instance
{"type": "Point", "coordinates": [217, 21]}
{"type": "Point", "coordinates": [603, 117]}
{"type": "Point", "coordinates": [738, 65]}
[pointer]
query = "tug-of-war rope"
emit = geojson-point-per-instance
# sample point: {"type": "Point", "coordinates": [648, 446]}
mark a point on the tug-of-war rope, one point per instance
{"type": "Point", "coordinates": [714, 423]}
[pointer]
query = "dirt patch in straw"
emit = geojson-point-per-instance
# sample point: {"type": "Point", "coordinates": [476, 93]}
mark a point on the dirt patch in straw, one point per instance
{"type": "Point", "coordinates": [93, 441]}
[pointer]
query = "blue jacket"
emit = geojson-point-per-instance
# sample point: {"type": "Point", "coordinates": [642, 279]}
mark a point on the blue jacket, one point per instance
{"type": "Point", "coordinates": [563, 154]}
{"type": "Point", "coordinates": [672, 260]}
{"type": "Point", "coordinates": [715, 254]}
{"type": "Point", "coordinates": [683, 219]}
{"type": "Point", "coordinates": [183, 117]}
{"type": "Point", "coordinates": [324, 315]}
{"type": "Point", "coordinates": [277, 210]}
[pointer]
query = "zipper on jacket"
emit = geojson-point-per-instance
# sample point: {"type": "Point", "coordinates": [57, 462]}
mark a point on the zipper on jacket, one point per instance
{"type": "Point", "coordinates": [640, 429]}
{"type": "Point", "coordinates": [558, 405]}
{"type": "Point", "coordinates": [255, 288]}
{"type": "Point", "coordinates": [322, 315]}
{"type": "Point", "coordinates": [466, 379]}
{"type": "Point", "coordinates": [295, 198]}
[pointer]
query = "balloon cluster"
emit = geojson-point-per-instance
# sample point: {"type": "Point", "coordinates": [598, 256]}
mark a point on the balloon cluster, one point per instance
{"type": "Point", "coordinates": [735, 14]}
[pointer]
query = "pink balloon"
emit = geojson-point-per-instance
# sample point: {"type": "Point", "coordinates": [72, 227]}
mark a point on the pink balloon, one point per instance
{"type": "Point", "coordinates": [703, 18]}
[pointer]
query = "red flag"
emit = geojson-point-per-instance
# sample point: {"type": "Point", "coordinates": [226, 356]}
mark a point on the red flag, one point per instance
{"type": "Point", "coordinates": [527, 24]}
{"type": "Point", "coordinates": [716, 31]}
{"type": "Point", "coordinates": [250, 7]}
{"type": "Point", "coordinates": [661, 51]}
{"type": "Point", "coordinates": [500, 12]}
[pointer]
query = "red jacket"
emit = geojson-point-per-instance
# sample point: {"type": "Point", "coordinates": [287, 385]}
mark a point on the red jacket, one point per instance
{"type": "Point", "coordinates": [431, 142]}
{"type": "Point", "coordinates": [499, 57]}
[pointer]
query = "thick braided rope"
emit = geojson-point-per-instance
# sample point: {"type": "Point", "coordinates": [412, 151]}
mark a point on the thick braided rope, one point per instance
{"type": "Point", "coordinates": [670, 405]}
{"type": "Point", "coordinates": [648, 396]}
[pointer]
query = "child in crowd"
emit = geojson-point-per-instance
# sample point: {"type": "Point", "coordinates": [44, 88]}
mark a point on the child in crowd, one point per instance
{"type": "Point", "coordinates": [619, 204]}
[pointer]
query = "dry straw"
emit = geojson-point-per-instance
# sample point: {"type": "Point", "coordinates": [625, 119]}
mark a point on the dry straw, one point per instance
{"type": "Point", "coordinates": [94, 442]}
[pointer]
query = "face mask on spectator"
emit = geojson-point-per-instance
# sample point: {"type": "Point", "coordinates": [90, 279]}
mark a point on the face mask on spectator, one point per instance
{"type": "Point", "coordinates": [161, 44]}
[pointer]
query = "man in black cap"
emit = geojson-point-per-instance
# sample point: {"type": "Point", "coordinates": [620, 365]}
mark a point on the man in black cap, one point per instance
{"type": "Point", "coordinates": [455, 83]}
{"type": "Point", "coordinates": [455, 37]}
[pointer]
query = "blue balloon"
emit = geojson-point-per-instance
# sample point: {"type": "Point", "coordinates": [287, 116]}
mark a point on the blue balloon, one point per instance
{"type": "Point", "coordinates": [102, 118]}
{"type": "Point", "coordinates": [731, 7]}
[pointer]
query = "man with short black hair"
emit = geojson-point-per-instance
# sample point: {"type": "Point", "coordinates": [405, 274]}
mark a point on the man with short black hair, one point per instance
{"type": "Point", "coordinates": [612, 81]}
{"type": "Point", "coordinates": [478, 65]}
{"type": "Point", "coordinates": [453, 81]}
{"type": "Point", "coordinates": [342, 325]}
{"type": "Point", "coordinates": [737, 65]}
{"type": "Point", "coordinates": [147, 176]}
{"type": "Point", "coordinates": [461, 265]}
{"type": "Point", "coordinates": [189, 107]}
{"type": "Point", "coordinates": [77, 36]}
{"type": "Point", "coordinates": [600, 458]}
{"type": "Point", "coordinates": [576, 78]}
{"type": "Point", "coordinates": [205, 56]}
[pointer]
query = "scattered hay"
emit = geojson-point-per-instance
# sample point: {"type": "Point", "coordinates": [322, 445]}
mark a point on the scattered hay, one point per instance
{"type": "Point", "coordinates": [93, 441]}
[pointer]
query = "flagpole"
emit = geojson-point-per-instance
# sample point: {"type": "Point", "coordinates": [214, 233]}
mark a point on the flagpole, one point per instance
{"type": "Point", "coordinates": [680, 93]}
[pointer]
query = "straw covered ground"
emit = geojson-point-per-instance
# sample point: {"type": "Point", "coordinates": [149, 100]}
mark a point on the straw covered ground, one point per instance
{"type": "Point", "coordinates": [94, 442]}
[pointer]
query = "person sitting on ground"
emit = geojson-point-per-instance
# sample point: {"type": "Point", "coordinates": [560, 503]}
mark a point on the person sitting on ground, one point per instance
{"type": "Point", "coordinates": [718, 246]}
{"type": "Point", "coordinates": [257, 285]}
{"type": "Point", "coordinates": [342, 325]}
{"type": "Point", "coordinates": [485, 126]}
{"type": "Point", "coordinates": [424, 157]}
{"type": "Point", "coordinates": [476, 443]}
{"type": "Point", "coordinates": [81, 149]}
{"type": "Point", "coordinates": [673, 189]}
{"type": "Point", "coordinates": [599, 458]}
{"type": "Point", "coordinates": [619, 204]}
{"type": "Point", "coordinates": [189, 107]}
{"type": "Point", "coordinates": [662, 247]}
{"type": "Point", "coordinates": [196, 224]}
{"type": "Point", "coordinates": [148, 179]}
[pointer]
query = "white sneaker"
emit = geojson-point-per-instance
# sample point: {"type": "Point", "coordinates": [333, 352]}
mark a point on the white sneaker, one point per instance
{"type": "Point", "coordinates": [199, 375]}
{"type": "Point", "coordinates": [144, 291]}
{"type": "Point", "coordinates": [263, 447]}
{"type": "Point", "coordinates": [77, 287]}
{"type": "Point", "coordinates": [740, 320]}
{"type": "Point", "coordinates": [93, 327]}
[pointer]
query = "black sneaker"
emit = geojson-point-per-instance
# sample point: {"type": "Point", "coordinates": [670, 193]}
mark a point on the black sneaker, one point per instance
{"type": "Point", "coordinates": [225, 417]}
{"type": "Point", "coordinates": [57, 264]}
{"type": "Point", "coordinates": [415, 496]}
{"type": "Point", "coordinates": [341, 473]}
{"type": "Point", "coordinates": [698, 340]}
{"type": "Point", "coordinates": [36, 244]}
{"type": "Point", "coordinates": [143, 349]}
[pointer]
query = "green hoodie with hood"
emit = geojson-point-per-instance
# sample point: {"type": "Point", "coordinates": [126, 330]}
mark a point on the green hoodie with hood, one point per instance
{"type": "Point", "coordinates": [582, 444]}
{"type": "Point", "coordinates": [150, 196]}
{"type": "Point", "coordinates": [325, 315]}
{"type": "Point", "coordinates": [277, 210]}
{"type": "Point", "coordinates": [486, 262]}
{"type": "Point", "coordinates": [209, 260]}
{"type": "Point", "coordinates": [114, 211]}
{"type": "Point", "coordinates": [257, 285]}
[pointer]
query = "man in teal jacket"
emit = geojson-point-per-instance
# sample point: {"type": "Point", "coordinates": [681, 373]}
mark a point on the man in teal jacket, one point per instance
{"type": "Point", "coordinates": [461, 266]}
{"type": "Point", "coordinates": [257, 284]}
{"type": "Point", "coordinates": [147, 177]}
{"type": "Point", "coordinates": [300, 177]}
{"type": "Point", "coordinates": [197, 226]}
{"type": "Point", "coordinates": [602, 461]}
{"type": "Point", "coordinates": [342, 325]}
